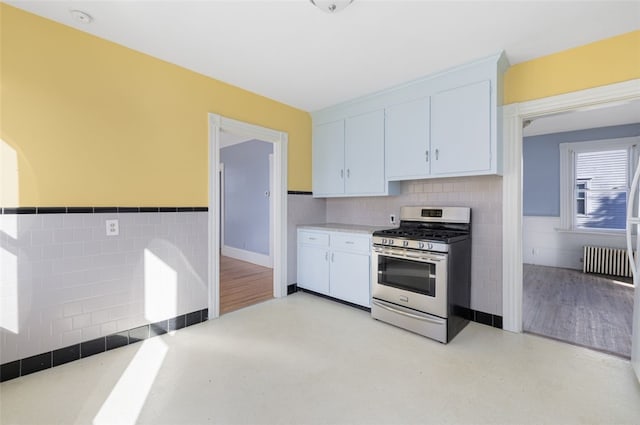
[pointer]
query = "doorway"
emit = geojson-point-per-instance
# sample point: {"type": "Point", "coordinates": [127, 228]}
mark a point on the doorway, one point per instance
{"type": "Point", "coordinates": [576, 178]}
{"type": "Point", "coordinates": [513, 117]}
{"type": "Point", "coordinates": [246, 260]}
{"type": "Point", "coordinates": [219, 125]}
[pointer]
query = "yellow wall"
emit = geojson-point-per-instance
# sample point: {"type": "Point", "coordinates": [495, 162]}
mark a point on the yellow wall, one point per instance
{"type": "Point", "coordinates": [607, 61]}
{"type": "Point", "coordinates": [95, 123]}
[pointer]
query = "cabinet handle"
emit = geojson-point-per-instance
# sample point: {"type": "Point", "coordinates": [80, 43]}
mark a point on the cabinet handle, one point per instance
{"type": "Point", "coordinates": [326, 256]}
{"type": "Point", "coordinates": [426, 155]}
{"type": "Point", "coordinates": [349, 242]}
{"type": "Point", "coordinates": [348, 173]}
{"type": "Point", "coordinates": [332, 256]}
{"type": "Point", "coordinates": [437, 154]}
{"type": "Point", "coordinates": [312, 239]}
{"type": "Point", "coordinates": [341, 174]}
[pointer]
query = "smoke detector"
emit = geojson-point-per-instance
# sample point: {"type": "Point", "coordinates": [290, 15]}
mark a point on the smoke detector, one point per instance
{"type": "Point", "coordinates": [81, 17]}
{"type": "Point", "coordinates": [331, 6]}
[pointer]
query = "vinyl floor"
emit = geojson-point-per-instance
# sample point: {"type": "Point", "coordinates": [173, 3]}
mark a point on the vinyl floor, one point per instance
{"type": "Point", "coordinates": [584, 309]}
{"type": "Point", "coordinates": [307, 360]}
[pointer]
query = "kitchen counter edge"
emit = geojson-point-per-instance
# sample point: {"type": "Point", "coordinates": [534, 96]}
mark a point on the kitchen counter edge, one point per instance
{"type": "Point", "coordinates": [341, 227]}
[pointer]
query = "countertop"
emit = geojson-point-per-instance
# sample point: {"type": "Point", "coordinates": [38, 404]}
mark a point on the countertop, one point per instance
{"type": "Point", "coordinates": [340, 227]}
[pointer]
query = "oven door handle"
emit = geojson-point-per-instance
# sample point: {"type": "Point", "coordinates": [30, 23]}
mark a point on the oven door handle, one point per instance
{"type": "Point", "coordinates": [411, 315]}
{"type": "Point", "coordinates": [423, 258]}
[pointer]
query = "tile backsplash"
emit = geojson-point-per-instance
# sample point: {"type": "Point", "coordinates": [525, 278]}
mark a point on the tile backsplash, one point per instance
{"type": "Point", "coordinates": [482, 194]}
{"type": "Point", "coordinates": [64, 281]}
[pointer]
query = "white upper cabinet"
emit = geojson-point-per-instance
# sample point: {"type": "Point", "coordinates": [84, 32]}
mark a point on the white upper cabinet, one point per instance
{"type": "Point", "coordinates": [364, 154]}
{"type": "Point", "coordinates": [407, 140]}
{"type": "Point", "coordinates": [461, 130]}
{"type": "Point", "coordinates": [442, 125]}
{"type": "Point", "coordinates": [348, 156]}
{"type": "Point", "coordinates": [328, 158]}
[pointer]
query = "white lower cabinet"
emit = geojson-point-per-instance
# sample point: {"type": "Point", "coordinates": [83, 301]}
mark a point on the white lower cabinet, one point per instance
{"type": "Point", "coordinates": [313, 268]}
{"type": "Point", "coordinates": [335, 264]}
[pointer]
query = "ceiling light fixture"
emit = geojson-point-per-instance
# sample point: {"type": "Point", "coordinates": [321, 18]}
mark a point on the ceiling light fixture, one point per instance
{"type": "Point", "coordinates": [331, 6]}
{"type": "Point", "coordinates": [80, 16]}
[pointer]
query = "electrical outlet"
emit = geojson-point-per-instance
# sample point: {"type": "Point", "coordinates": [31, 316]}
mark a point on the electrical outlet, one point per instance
{"type": "Point", "coordinates": [113, 228]}
{"type": "Point", "coordinates": [392, 218]}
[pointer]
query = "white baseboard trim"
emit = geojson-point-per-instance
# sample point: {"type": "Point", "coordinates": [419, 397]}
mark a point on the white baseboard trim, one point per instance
{"type": "Point", "coordinates": [248, 256]}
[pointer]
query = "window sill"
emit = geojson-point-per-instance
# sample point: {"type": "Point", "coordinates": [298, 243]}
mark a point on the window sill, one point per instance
{"type": "Point", "coordinates": [594, 232]}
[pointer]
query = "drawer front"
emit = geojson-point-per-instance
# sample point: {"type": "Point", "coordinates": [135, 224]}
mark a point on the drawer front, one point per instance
{"type": "Point", "coordinates": [350, 242]}
{"type": "Point", "coordinates": [313, 238]}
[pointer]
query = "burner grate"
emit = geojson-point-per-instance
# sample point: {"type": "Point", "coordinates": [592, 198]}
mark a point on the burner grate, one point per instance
{"type": "Point", "coordinates": [408, 231]}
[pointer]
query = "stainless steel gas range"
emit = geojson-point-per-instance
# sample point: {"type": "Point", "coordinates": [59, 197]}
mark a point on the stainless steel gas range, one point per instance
{"type": "Point", "coordinates": [422, 271]}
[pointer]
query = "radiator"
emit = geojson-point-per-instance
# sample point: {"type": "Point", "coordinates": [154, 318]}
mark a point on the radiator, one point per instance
{"type": "Point", "coordinates": [609, 261]}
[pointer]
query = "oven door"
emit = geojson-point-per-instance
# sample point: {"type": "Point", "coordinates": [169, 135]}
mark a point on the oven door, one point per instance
{"type": "Point", "coordinates": [413, 279]}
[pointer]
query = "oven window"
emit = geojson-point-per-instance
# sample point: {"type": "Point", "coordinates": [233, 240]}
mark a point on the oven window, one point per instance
{"type": "Point", "coordinates": [413, 276]}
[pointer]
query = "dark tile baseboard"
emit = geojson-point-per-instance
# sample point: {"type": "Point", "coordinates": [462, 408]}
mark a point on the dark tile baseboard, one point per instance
{"type": "Point", "coordinates": [28, 365]}
{"type": "Point", "coordinates": [98, 210]}
{"type": "Point", "coordinates": [480, 317]}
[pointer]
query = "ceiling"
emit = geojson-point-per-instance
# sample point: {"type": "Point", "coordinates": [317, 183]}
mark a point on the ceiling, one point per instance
{"type": "Point", "coordinates": [292, 52]}
{"type": "Point", "coordinates": [580, 119]}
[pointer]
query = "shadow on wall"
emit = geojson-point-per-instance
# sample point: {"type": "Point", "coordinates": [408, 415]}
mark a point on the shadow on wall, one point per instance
{"type": "Point", "coordinates": [610, 212]}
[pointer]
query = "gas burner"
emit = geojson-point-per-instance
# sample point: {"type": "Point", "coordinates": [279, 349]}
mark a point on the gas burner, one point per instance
{"type": "Point", "coordinates": [424, 234]}
{"type": "Point", "coordinates": [427, 228]}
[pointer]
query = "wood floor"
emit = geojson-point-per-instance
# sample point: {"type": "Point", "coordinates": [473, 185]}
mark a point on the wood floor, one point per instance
{"type": "Point", "coordinates": [583, 309]}
{"type": "Point", "coordinates": [243, 284]}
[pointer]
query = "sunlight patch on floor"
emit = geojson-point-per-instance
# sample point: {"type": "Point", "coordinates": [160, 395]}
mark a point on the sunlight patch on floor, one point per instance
{"type": "Point", "coordinates": [126, 400]}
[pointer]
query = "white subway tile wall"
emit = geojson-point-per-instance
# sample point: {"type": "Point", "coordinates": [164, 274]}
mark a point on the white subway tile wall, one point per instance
{"type": "Point", "coordinates": [65, 281]}
{"type": "Point", "coordinates": [484, 196]}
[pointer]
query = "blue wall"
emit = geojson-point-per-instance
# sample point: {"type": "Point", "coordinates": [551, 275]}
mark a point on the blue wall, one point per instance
{"type": "Point", "coordinates": [246, 208]}
{"type": "Point", "coordinates": [541, 165]}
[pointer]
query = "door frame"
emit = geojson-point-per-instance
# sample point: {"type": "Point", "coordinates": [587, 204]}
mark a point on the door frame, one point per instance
{"type": "Point", "coordinates": [218, 124]}
{"type": "Point", "coordinates": [513, 117]}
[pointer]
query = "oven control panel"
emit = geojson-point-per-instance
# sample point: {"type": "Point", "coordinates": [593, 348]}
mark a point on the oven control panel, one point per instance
{"type": "Point", "coordinates": [411, 244]}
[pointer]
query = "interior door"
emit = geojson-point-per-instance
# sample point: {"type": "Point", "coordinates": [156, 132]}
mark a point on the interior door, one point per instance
{"type": "Point", "coordinates": [635, 338]}
{"type": "Point", "coordinates": [633, 219]}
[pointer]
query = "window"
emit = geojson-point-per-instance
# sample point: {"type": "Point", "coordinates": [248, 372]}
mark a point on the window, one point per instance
{"type": "Point", "coordinates": [595, 179]}
{"type": "Point", "coordinates": [582, 186]}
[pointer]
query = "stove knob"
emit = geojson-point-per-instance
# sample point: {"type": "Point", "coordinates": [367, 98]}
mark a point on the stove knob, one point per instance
{"type": "Point", "coordinates": [390, 241]}
{"type": "Point", "coordinates": [421, 245]}
{"type": "Point", "coordinates": [384, 242]}
{"type": "Point", "coordinates": [405, 243]}
{"type": "Point", "coordinates": [430, 245]}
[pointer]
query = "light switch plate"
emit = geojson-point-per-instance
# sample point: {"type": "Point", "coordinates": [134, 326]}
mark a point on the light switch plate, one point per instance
{"type": "Point", "coordinates": [113, 228]}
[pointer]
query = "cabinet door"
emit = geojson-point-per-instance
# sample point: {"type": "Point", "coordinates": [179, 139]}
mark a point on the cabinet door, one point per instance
{"type": "Point", "coordinates": [328, 158]}
{"type": "Point", "coordinates": [407, 140]}
{"type": "Point", "coordinates": [350, 279]}
{"type": "Point", "coordinates": [461, 129]}
{"type": "Point", "coordinates": [364, 154]}
{"type": "Point", "coordinates": [313, 268]}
